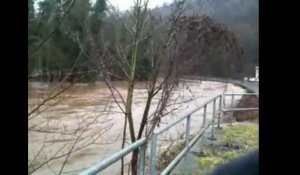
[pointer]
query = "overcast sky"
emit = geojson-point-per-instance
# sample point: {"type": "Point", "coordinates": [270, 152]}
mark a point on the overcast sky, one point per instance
{"type": "Point", "coordinates": [126, 4]}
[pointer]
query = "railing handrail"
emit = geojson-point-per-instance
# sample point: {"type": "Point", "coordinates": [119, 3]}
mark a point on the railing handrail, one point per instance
{"type": "Point", "coordinates": [239, 109]}
{"type": "Point", "coordinates": [241, 94]}
{"type": "Point", "coordinates": [113, 158]}
{"type": "Point", "coordinates": [141, 142]}
{"type": "Point", "coordinates": [175, 161]}
{"type": "Point", "coordinates": [184, 116]}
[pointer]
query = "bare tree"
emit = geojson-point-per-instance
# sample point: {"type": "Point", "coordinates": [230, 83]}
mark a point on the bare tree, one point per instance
{"type": "Point", "coordinates": [162, 79]}
{"type": "Point", "coordinates": [59, 139]}
{"type": "Point", "coordinates": [167, 46]}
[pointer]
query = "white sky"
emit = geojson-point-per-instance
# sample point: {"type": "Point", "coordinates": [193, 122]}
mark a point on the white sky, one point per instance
{"type": "Point", "coordinates": [126, 4]}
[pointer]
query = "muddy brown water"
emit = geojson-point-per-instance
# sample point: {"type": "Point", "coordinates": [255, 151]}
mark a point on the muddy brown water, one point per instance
{"type": "Point", "coordinates": [92, 108]}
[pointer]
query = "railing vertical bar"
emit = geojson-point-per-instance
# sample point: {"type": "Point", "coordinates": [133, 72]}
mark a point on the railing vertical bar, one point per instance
{"type": "Point", "coordinates": [220, 110]}
{"type": "Point", "coordinates": [153, 154]}
{"type": "Point", "coordinates": [213, 121]}
{"type": "Point", "coordinates": [204, 116]}
{"type": "Point", "coordinates": [187, 140]}
{"type": "Point", "coordinates": [187, 132]}
{"type": "Point", "coordinates": [142, 159]}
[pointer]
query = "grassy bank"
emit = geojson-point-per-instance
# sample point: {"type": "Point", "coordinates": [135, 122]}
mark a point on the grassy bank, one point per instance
{"type": "Point", "coordinates": [235, 141]}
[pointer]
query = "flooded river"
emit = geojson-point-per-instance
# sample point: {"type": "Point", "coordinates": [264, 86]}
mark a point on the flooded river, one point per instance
{"type": "Point", "coordinates": [87, 120]}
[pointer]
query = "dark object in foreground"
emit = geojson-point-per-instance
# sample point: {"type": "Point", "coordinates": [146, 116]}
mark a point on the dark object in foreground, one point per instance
{"type": "Point", "coordinates": [246, 165]}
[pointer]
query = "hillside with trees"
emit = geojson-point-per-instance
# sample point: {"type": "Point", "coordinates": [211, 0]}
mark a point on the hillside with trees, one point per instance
{"type": "Point", "coordinates": [66, 37]}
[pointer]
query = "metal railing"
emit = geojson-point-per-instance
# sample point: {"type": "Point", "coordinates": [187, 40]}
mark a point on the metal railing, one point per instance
{"type": "Point", "coordinates": [188, 144]}
{"type": "Point", "coordinates": [232, 95]}
{"type": "Point", "coordinates": [117, 156]}
{"type": "Point", "coordinates": [141, 145]}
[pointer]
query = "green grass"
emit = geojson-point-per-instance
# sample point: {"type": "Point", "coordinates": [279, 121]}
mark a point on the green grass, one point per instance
{"type": "Point", "coordinates": [236, 140]}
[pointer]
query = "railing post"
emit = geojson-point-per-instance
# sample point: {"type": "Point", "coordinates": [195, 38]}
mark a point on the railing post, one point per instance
{"type": "Point", "coordinates": [187, 140]}
{"type": "Point", "coordinates": [187, 131]}
{"type": "Point", "coordinates": [142, 159]}
{"type": "Point", "coordinates": [220, 111]}
{"type": "Point", "coordinates": [224, 100]}
{"type": "Point", "coordinates": [213, 121]}
{"type": "Point", "coordinates": [153, 154]}
{"type": "Point", "coordinates": [204, 116]}
{"type": "Point", "coordinates": [232, 100]}
{"type": "Point", "coordinates": [201, 151]}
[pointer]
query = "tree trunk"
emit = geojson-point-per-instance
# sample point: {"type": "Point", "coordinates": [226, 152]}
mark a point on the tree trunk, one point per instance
{"type": "Point", "coordinates": [145, 115]}
{"type": "Point", "coordinates": [135, 153]}
{"type": "Point", "coordinates": [129, 110]}
{"type": "Point", "coordinates": [123, 144]}
{"type": "Point", "coordinates": [134, 162]}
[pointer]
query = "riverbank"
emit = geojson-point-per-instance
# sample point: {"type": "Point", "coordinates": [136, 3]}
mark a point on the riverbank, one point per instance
{"type": "Point", "coordinates": [232, 141]}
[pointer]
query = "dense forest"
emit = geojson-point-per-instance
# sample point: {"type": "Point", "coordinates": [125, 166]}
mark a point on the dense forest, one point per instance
{"type": "Point", "coordinates": [66, 38]}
